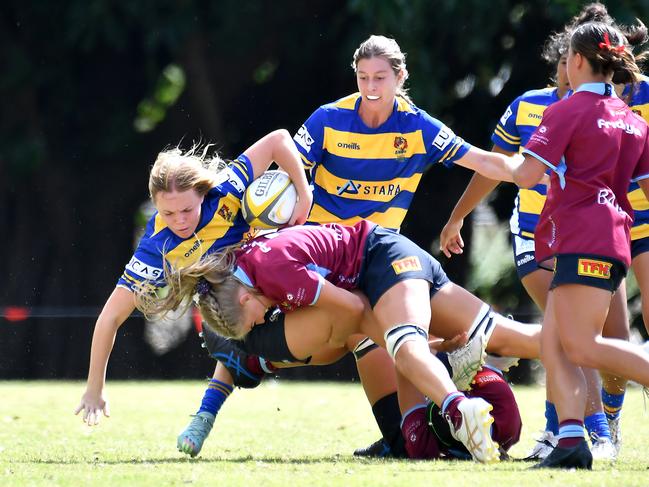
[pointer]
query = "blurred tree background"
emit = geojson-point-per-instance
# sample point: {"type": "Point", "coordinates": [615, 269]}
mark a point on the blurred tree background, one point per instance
{"type": "Point", "coordinates": [92, 90]}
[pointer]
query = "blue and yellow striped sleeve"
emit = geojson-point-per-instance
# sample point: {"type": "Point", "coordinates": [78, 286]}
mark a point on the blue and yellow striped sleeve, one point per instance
{"type": "Point", "coordinates": [309, 139]}
{"type": "Point", "coordinates": [506, 134]}
{"type": "Point", "coordinates": [442, 144]}
{"type": "Point", "coordinates": [239, 175]}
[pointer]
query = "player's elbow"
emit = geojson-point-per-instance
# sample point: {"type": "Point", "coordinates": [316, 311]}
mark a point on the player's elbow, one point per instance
{"type": "Point", "coordinates": [524, 178]}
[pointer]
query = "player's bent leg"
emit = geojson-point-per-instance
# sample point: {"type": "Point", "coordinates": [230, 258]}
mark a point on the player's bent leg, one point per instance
{"type": "Point", "coordinates": [640, 266]}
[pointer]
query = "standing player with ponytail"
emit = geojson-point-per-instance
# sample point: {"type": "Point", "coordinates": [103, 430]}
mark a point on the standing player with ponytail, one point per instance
{"type": "Point", "coordinates": [594, 145]}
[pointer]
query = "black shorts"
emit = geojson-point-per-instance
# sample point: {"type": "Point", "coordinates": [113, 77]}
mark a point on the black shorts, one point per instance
{"type": "Point", "coordinates": [524, 256]}
{"type": "Point", "coordinates": [589, 270]}
{"type": "Point", "coordinates": [391, 258]}
{"type": "Point", "coordinates": [639, 246]}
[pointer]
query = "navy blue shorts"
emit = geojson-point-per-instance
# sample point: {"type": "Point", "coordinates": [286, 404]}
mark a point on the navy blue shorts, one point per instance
{"type": "Point", "coordinates": [639, 246]}
{"type": "Point", "coordinates": [589, 270]}
{"type": "Point", "coordinates": [391, 258]}
{"type": "Point", "coordinates": [524, 256]}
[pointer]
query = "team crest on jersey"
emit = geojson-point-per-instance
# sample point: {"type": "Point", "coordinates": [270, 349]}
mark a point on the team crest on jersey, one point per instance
{"type": "Point", "coordinates": [349, 187]}
{"type": "Point", "coordinates": [594, 268]}
{"type": "Point", "coordinates": [400, 146]}
{"type": "Point", "coordinates": [225, 213]}
{"type": "Point", "coordinates": [406, 264]}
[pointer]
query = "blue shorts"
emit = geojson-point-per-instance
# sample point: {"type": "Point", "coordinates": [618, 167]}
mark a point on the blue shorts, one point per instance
{"type": "Point", "coordinates": [391, 258]}
{"type": "Point", "coordinates": [524, 256]}
{"type": "Point", "coordinates": [639, 246]}
{"type": "Point", "coordinates": [589, 270]}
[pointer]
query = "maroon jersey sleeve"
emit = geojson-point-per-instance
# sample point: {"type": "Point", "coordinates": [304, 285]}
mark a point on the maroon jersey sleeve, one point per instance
{"type": "Point", "coordinates": [642, 169]}
{"type": "Point", "coordinates": [290, 284]}
{"type": "Point", "coordinates": [550, 140]}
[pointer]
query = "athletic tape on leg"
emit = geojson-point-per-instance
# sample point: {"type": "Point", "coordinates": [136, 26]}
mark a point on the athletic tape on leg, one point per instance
{"type": "Point", "coordinates": [400, 334]}
{"type": "Point", "coordinates": [365, 346]}
{"type": "Point", "coordinates": [483, 322]}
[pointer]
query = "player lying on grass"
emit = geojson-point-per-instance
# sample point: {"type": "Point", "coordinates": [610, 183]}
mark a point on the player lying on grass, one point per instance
{"type": "Point", "coordinates": [318, 266]}
{"type": "Point", "coordinates": [198, 213]}
{"type": "Point", "coordinates": [427, 434]}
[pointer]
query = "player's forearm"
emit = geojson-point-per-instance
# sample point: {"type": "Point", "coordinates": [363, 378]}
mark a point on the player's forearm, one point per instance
{"type": "Point", "coordinates": [490, 164]}
{"type": "Point", "coordinates": [288, 158]}
{"type": "Point", "coordinates": [117, 309]}
{"type": "Point", "coordinates": [103, 339]}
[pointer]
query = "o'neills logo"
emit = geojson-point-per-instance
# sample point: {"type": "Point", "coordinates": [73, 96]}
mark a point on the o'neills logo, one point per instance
{"type": "Point", "coordinates": [594, 268]}
{"type": "Point", "coordinates": [349, 145]}
{"type": "Point", "coordinates": [407, 264]}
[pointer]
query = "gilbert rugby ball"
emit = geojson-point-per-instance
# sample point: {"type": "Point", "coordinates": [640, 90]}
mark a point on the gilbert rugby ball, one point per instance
{"type": "Point", "coordinates": [269, 200]}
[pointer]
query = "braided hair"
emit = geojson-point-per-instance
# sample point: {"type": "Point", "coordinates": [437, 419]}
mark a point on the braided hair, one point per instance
{"type": "Point", "coordinates": [210, 281]}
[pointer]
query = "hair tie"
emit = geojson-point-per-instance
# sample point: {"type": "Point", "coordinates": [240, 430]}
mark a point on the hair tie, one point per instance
{"type": "Point", "coordinates": [203, 286]}
{"type": "Point", "coordinates": [607, 45]}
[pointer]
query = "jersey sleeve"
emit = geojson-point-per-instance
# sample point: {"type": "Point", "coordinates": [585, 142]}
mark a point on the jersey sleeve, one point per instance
{"type": "Point", "coordinates": [237, 177]}
{"type": "Point", "coordinates": [290, 284]}
{"type": "Point", "coordinates": [309, 139]}
{"type": "Point", "coordinates": [550, 140]}
{"type": "Point", "coordinates": [506, 134]}
{"type": "Point", "coordinates": [642, 168]}
{"type": "Point", "coordinates": [146, 265]}
{"type": "Point", "coordinates": [442, 145]}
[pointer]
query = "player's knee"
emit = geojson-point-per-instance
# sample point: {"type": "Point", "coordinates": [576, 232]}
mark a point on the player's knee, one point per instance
{"type": "Point", "coordinates": [578, 352]}
{"type": "Point", "coordinates": [399, 335]}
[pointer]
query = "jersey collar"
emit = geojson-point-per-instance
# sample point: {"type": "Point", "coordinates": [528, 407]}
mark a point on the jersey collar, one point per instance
{"type": "Point", "coordinates": [604, 89]}
{"type": "Point", "coordinates": [242, 277]}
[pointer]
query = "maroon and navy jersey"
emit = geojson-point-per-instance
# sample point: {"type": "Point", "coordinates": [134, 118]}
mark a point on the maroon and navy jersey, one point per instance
{"type": "Point", "coordinates": [290, 266]}
{"type": "Point", "coordinates": [594, 144]}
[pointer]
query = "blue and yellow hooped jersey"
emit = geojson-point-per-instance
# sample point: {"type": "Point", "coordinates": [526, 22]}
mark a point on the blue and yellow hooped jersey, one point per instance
{"type": "Point", "coordinates": [639, 103]}
{"type": "Point", "coordinates": [221, 224]}
{"type": "Point", "coordinates": [512, 132]}
{"type": "Point", "coordinates": [360, 172]}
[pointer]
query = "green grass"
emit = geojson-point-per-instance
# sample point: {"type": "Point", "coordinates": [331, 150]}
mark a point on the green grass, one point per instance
{"type": "Point", "coordinates": [282, 433]}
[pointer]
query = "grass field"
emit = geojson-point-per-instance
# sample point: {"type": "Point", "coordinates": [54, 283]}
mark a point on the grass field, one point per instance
{"type": "Point", "coordinates": [282, 433]}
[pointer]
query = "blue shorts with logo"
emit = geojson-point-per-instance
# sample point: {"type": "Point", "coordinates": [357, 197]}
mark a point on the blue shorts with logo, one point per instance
{"type": "Point", "coordinates": [588, 270]}
{"type": "Point", "coordinates": [524, 256]}
{"type": "Point", "coordinates": [391, 258]}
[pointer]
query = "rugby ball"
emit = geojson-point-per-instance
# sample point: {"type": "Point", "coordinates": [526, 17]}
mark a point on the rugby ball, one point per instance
{"type": "Point", "coordinates": [269, 200]}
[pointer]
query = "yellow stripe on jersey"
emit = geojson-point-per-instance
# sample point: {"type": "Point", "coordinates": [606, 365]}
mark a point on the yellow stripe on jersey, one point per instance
{"type": "Point", "coordinates": [642, 110]}
{"type": "Point", "coordinates": [403, 105]}
{"type": "Point", "coordinates": [349, 102]}
{"type": "Point", "coordinates": [530, 201]}
{"type": "Point", "coordinates": [527, 234]}
{"type": "Point", "coordinates": [641, 231]}
{"type": "Point", "coordinates": [190, 250]}
{"type": "Point", "coordinates": [306, 163]}
{"type": "Point", "coordinates": [638, 200]}
{"type": "Point", "coordinates": [450, 153]}
{"type": "Point", "coordinates": [366, 190]}
{"type": "Point", "coordinates": [392, 218]}
{"type": "Point", "coordinates": [529, 114]}
{"type": "Point", "coordinates": [373, 146]}
{"type": "Point", "coordinates": [510, 139]}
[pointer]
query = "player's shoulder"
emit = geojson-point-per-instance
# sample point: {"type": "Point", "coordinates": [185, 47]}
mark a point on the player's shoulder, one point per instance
{"type": "Point", "coordinates": [539, 96]}
{"type": "Point", "coordinates": [343, 105]}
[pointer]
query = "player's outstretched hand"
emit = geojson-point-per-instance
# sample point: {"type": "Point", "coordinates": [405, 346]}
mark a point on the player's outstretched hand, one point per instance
{"type": "Point", "coordinates": [92, 406]}
{"type": "Point", "coordinates": [302, 209]}
{"type": "Point", "coordinates": [450, 345]}
{"type": "Point", "coordinates": [450, 240]}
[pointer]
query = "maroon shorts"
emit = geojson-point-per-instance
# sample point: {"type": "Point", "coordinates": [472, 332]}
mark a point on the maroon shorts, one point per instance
{"type": "Point", "coordinates": [426, 441]}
